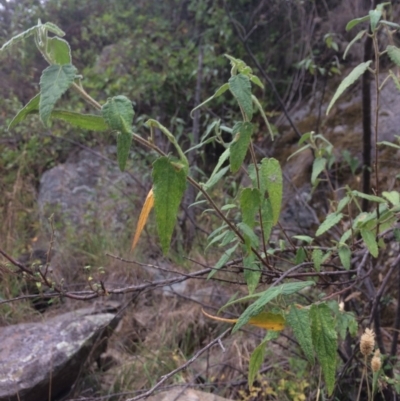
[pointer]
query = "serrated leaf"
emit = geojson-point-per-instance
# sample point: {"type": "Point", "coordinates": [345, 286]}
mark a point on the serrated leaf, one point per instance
{"type": "Point", "coordinates": [394, 54]}
{"type": "Point", "coordinates": [374, 16]}
{"type": "Point", "coordinates": [370, 241]}
{"type": "Point", "coordinates": [357, 37]}
{"type": "Point", "coordinates": [54, 82]}
{"type": "Point", "coordinates": [317, 168]}
{"type": "Point", "coordinates": [265, 297]}
{"type": "Point", "coordinates": [252, 272]}
{"type": "Point", "coordinates": [317, 259]}
{"type": "Point", "coordinates": [257, 357]}
{"type": "Point", "coordinates": [250, 199]}
{"type": "Point", "coordinates": [271, 181]}
{"type": "Point", "coordinates": [345, 256]}
{"type": "Point", "coordinates": [118, 113]}
{"type": "Point", "coordinates": [240, 87]}
{"type": "Point", "coordinates": [299, 320]}
{"type": "Point", "coordinates": [169, 186]}
{"type": "Point", "coordinates": [59, 51]}
{"type": "Point", "coordinates": [325, 342]}
{"type": "Point", "coordinates": [124, 142]}
{"type": "Point", "coordinates": [223, 260]}
{"type": "Point", "coordinates": [242, 133]}
{"type": "Point", "coordinates": [219, 92]}
{"type": "Point", "coordinates": [330, 221]}
{"type": "Point", "coordinates": [144, 214]}
{"type": "Point", "coordinates": [85, 121]}
{"type": "Point", "coordinates": [30, 108]}
{"type": "Point", "coordinates": [349, 80]}
{"type": "Point", "coordinates": [351, 24]}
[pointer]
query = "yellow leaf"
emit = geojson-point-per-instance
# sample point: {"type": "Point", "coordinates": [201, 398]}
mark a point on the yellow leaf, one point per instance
{"type": "Point", "coordinates": [265, 320]}
{"type": "Point", "coordinates": [144, 214]}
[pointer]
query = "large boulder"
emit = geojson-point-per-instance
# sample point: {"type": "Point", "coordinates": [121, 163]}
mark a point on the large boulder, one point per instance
{"type": "Point", "coordinates": [44, 357]}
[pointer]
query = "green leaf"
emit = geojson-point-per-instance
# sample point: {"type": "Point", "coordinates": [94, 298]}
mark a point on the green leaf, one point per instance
{"type": "Point", "coordinates": [256, 81]}
{"type": "Point", "coordinates": [331, 220]}
{"type": "Point", "coordinates": [249, 204]}
{"type": "Point", "coordinates": [318, 166]}
{"type": "Point", "coordinates": [345, 256]}
{"type": "Point", "coordinates": [299, 320]}
{"type": "Point", "coordinates": [252, 272]}
{"type": "Point", "coordinates": [250, 237]}
{"type": "Point", "coordinates": [222, 159]}
{"type": "Point", "coordinates": [219, 92]}
{"type": "Point", "coordinates": [370, 241]}
{"type": "Point", "coordinates": [396, 233]}
{"type": "Point", "coordinates": [317, 259]}
{"type": "Point", "coordinates": [343, 203]}
{"type": "Point", "coordinates": [261, 110]}
{"type": "Point", "coordinates": [54, 82]}
{"type": "Point", "coordinates": [349, 80]}
{"type": "Point", "coordinates": [30, 108]}
{"type": "Point", "coordinates": [351, 24]}
{"type": "Point", "coordinates": [223, 260]}
{"type": "Point", "coordinates": [300, 256]}
{"type": "Point", "coordinates": [258, 355]}
{"type": "Point", "coordinates": [85, 121]}
{"type": "Point", "coordinates": [240, 87]}
{"type": "Point", "coordinates": [59, 51]}
{"type": "Point", "coordinates": [394, 54]}
{"type": "Point", "coordinates": [30, 32]}
{"type": "Point", "coordinates": [124, 142]}
{"type": "Point", "coordinates": [118, 113]}
{"type": "Point", "coordinates": [242, 132]}
{"type": "Point", "coordinates": [265, 297]}
{"type": "Point", "coordinates": [397, 84]}
{"type": "Point", "coordinates": [169, 186]}
{"type": "Point", "coordinates": [271, 181]}
{"type": "Point", "coordinates": [266, 218]}
{"type": "Point", "coordinates": [325, 342]}
{"type": "Point", "coordinates": [357, 37]}
{"type": "Point", "coordinates": [304, 238]}
{"type": "Point", "coordinates": [375, 16]}
{"type": "Point", "coordinates": [371, 198]}
{"type": "Point", "coordinates": [214, 179]}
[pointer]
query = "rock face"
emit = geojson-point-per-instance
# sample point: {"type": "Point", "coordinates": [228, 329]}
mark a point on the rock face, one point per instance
{"type": "Point", "coordinates": [38, 358]}
{"type": "Point", "coordinates": [88, 192]}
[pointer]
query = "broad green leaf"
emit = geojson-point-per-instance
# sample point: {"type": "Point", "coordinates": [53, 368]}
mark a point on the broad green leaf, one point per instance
{"type": "Point", "coordinates": [300, 256]}
{"type": "Point", "coordinates": [271, 180]}
{"type": "Point", "coordinates": [54, 82]}
{"type": "Point", "coordinates": [349, 80]}
{"type": "Point", "coordinates": [240, 87]}
{"type": "Point", "coordinates": [394, 54]}
{"type": "Point", "coordinates": [169, 186]}
{"type": "Point", "coordinates": [118, 113]}
{"type": "Point", "coordinates": [257, 357]}
{"type": "Point", "coordinates": [299, 320]}
{"type": "Point", "coordinates": [317, 259]}
{"type": "Point", "coordinates": [59, 51]}
{"type": "Point", "coordinates": [393, 197]}
{"type": "Point", "coordinates": [304, 137]}
{"type": "Point", "coordinates": [266, 218]}
{"type": "Point", "coordinates": [124, 142]}
{"type": "Point", "coordinates": [357, 37]}
{"type": "Point", "coordinates": [265, 297]}
{"type": "Point", "coordinates": [324, 341]}
{"type": "Point", "coordinates": [223, 260]}
{"type": "Point", "coordinates": [370, 241]}
{"type": "Point", "coordinates": [219, 92]}
{"type": "Point", "coordinates": [252, 272]}
{"type": "Point", "coordinates": [351, 24]}
{"type": "Point", "coordinates": [345, 256]}
{"type": "Point", "coordinates": [250, 199]}
{"type": "Point", "coordinates": [30, 108]}
{"type": "Point", "coordinates": [238, 148]}
{"type": "Point", "coordinates": [330, 221]}
{"type": "Point", "coordinates": [375, 16]}
{"type": "Point", "coordinates": [251, 238]}
{"type": "Point", "coordinates": [85, 121]}
{"type": "Point", "coordinates": [31, 31]}
{"type": "Point", "coordinates": [343, 203]}
{"type": "Point", "coordinates": [317, 168]}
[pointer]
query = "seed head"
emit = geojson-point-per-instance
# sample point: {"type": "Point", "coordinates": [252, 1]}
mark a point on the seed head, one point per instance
{"type": "Point", "coordinates": [376, 361]}
{"type": "Point", "coordinates": [367, 342]}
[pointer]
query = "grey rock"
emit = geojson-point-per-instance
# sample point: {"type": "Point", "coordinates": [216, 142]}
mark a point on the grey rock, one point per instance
{"type": "Point", "coordinates": [36, 358]}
